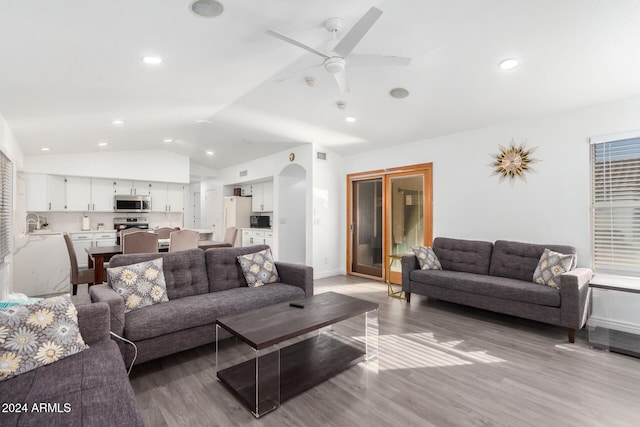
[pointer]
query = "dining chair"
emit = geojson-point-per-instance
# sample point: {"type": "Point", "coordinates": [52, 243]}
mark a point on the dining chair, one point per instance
{"type": "Point", "coordinates": [183, 240]}
{"type": "Point", "coordinates": [77, 276]}
{"type": "Point", "coordinates": [127, 231]}
{"type": "Point", "coordinates": [139, 243]}
{"type": "Point", "coordinates": [164, 232]}
{"type": "Point", "coordinates": [230, 235]}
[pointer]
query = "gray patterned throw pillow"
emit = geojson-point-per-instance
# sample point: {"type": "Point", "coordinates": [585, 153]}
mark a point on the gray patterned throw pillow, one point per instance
{"type": "Point", "coordinates": [427, 258]}
{"type": "Point", "coordinates": [37, 334]}
{"type": "Point", "coordinates": [551, 266]}
{"type": "Point", "coordinates": [140, 285]}
{"type": "Point", "coordinates": [259, 268]}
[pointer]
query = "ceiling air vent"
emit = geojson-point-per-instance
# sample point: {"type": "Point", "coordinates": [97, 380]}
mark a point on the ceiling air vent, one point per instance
{"type": "Point", "coordinates": [206, 8]}
{"type": "Point", "coordinates": [321, 156]}
{"type": "Point", "coordinates": [243, 173]}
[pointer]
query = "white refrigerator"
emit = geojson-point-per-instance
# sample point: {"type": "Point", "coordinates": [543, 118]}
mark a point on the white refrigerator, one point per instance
{"type": "Point", "coordinates": [237, 211]}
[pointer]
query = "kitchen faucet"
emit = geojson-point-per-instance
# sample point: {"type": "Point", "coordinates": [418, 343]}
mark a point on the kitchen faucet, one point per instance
{"type": "Point", "coordinates": [32, 224]}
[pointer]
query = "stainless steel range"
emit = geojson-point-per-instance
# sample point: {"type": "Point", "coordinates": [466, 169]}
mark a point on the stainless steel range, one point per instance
{"type": "Point", "coordinates": [120, 224]}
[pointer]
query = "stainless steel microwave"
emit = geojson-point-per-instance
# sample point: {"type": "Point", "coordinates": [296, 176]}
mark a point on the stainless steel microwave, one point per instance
{"type": "Point", "coordinates": [127, 203]}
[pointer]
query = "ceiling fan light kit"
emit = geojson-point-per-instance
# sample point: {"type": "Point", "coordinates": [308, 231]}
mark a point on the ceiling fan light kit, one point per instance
{"type": "Point", "coordinates": [335, 59]}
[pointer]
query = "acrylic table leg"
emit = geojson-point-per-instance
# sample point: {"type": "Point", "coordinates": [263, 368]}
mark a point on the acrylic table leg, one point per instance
{"type": "Point", "coordinates": [371, 334]}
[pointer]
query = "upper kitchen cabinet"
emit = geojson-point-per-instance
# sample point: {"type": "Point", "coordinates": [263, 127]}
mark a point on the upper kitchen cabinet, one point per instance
{"type": "Point", "coordinates": [45, 192]}
{"type": "Point", "coordinates": [135, 188]}
{"type": "Point", "coordinates": [262, 200]}
{"type": "Point", "coordinates": [167, 197]}
{"type": "Point", "coordinates": [89, 194]}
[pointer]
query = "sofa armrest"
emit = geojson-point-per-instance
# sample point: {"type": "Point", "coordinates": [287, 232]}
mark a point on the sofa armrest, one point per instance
{"type": "Point", "coordinates": [409, 263]}
{"type": "Point", "coordinates": [93, 321]}
{"type": "Point", "coordinates": [574, 297]}
{"type": "Point", "coordinates": [104, 293]}
{"type": "Point", "coordinates": [296, 275]}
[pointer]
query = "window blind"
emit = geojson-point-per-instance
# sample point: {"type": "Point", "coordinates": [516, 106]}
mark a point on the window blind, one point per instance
{"type": "Point", "coordinates": [615, 174]}
{"type": "Point", "coordinates": [6, 186]}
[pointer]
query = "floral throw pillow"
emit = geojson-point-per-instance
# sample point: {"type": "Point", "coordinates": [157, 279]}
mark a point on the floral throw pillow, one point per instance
{"type": "Point", "coordinates": [140, 285]}
{"type": "Point", "coordinates": [36, 334]}
{"type": "Point", "coordinates": [427, 258]}
{"type": "Point", "coordinates": [551, 266]}
{"type": "Point", "coordinates": [258, 268]}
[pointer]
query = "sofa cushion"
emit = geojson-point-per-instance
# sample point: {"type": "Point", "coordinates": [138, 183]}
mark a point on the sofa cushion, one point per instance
{"type": "Point", "coordinates": [199, 310]}
{"type": "Point", "coordinates": [37, 334]}
{"type": "Point", "coordinates": [258, 268]}
{"type": "Point", "coordinates": [498, 287]}
{"type": "Point", "coordinates": [518, 260]}
{"type": "Point", "coordinates": [551, 266]}
{"type": "Point", "coordinates": [427, 259]}
{"type": "Point", "coordinates": [140, 285]}
{"type": "Point", "coordinates": [185, 272]}
{"type": "Point", "coordinates": [90, 388]}
{"type": "Point", "coordinates": [224, 269]}
{"type": "Point", "coordinates": [469, 256]}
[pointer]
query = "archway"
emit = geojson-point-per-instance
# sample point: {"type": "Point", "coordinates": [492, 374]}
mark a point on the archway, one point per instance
{"type": "Point", "coordinates": [292, 214]}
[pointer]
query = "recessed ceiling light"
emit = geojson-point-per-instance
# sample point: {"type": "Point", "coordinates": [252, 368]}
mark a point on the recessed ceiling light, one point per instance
{"type": "Point", "coordinates": [508, 64]}
{"type": "Point", "coordinates": [209, 153]}
{"type": "Point", "coordinates": [152, 60]}
{"type": "Point", "coordinates": [350, 119]}
{"type": "Point", "coordinates": [204, 121]}
{"type": "Point", "coordinates": [167, 140]}
{"type": "Point", "coordinates": [399, 92]}
{"type": "Point", "coordinates": [103, 144]}
{"type": "Point", "coordinates": [206, 8]}
{"type": "Point", "coordinates": [117, 122]}
{"type": "Point", "coordinates": [45, 149]}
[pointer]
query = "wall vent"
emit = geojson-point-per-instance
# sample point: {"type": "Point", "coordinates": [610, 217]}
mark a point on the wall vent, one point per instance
{"type": "Point", "coordinates": [243, 173]}
{"type": "Point", "coordinates": [321, 156]}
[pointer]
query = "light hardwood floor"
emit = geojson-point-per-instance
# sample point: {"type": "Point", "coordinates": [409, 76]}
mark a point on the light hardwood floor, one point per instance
{"type": "Point", "coordinates": [440, 364]}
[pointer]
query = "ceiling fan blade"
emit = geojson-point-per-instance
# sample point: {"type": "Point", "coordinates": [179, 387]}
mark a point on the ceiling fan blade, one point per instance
{"type": "Point", "coordinates": [366, 60]}
{"type": "Point", "coordinates": [355, 34]}
{"type": "Point", "coordinates": [288, 74]}
{"type": "Point", "coordinates": [296, 43]}
{"type": "Point", "coordinates": [341, 79]}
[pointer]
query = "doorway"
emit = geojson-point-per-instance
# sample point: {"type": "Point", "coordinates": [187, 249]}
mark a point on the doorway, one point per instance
{"type": "Point", "coordinates": [389, 213]}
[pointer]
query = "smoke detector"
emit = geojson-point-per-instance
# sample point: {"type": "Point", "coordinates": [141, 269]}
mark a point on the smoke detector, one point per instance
{"type": "Point", "coordinates": [311, 82]}
{"type": "Point", "coordinates": [341, 105]}
{"type": "Point", "coordinates": [206, 8]}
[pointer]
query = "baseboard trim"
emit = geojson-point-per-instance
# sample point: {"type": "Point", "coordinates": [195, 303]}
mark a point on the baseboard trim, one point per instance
{"type": "Point", "coordinates": [330, 273]}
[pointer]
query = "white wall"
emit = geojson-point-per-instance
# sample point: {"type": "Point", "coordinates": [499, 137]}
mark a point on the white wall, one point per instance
{"type": "Point", "coordinates": [291, 208]}
{"type": "Point", "coordinates": [328, 216]}
{"type": "Point", "coordinates": [9, 146]}
{"type": "Point", "coordinates": [551, 207]}
{"type": "Point", "coordinates": [149, 165]}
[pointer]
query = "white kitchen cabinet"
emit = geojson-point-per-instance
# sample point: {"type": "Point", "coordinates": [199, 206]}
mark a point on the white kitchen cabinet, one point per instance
{"type": "Point", "coordinates": [78, 194]}
{"type": "Point", "coordinates": [167, 197]}
{"type": "Point", "coordinates": [262, 200]}
{"type": "Point", "coordinates": [45, 192]}
{"type": "Point", "coordinates": [89, 194]}
{"type": "Point", "coordinates": [84, 240]}
{"type": "Point", "coordinates": [252, 237]}
{"type": "Point", "coordinates": [102, 195]}
{"type": "Point", "coordinates": [136, 188]}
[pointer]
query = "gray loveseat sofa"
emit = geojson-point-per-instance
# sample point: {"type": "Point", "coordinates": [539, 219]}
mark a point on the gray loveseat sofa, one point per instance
{"type": "Point", "coordinates": [202, 286]}
{"type": "Point", "coordinates": [499, 277]}
{"type": "Point", "coordinates": [90, 388]}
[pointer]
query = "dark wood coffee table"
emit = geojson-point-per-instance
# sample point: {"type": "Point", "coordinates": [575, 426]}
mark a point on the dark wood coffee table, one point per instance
{"type": "Point", "coordinates": [283, 370]}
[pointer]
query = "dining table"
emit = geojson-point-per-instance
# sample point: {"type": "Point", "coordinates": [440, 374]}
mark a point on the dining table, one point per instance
{"type": "Point", "coordinates": [99, 255]}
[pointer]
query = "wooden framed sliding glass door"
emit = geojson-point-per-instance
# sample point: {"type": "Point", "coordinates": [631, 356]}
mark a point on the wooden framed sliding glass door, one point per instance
{"type": "Point", "coordinates": [389, 212]}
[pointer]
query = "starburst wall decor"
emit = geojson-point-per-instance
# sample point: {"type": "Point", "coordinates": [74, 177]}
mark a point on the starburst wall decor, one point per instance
{"type": "Point", "coordinates": [512, 162]}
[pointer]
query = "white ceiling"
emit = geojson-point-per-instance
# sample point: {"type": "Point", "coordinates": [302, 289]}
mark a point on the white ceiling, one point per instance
{"type": "Point", "coordinates": [68, 67]}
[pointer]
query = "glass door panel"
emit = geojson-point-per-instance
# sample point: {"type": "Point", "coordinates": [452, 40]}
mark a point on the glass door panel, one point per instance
{"type": "Point", "coordinates": [406, 218]}
{"type": "Point", "coordinates": [366, 227]}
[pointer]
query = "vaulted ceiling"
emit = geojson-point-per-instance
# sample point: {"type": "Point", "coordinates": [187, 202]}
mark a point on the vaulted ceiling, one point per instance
{"type": "Point", "coordinates": [68, 68]}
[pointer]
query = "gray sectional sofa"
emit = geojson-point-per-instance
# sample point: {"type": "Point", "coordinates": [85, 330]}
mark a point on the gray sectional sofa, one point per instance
{"type": "Point", "coordinates": [201, 286]}
{"type": "Point", "coordinates": [499, 277]}
{"type": "Point", "coordinates": [90, 388]}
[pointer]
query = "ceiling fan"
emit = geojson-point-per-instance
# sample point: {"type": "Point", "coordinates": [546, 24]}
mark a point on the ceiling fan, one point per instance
{"type": "Point", "coordinates": [335, 57]}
